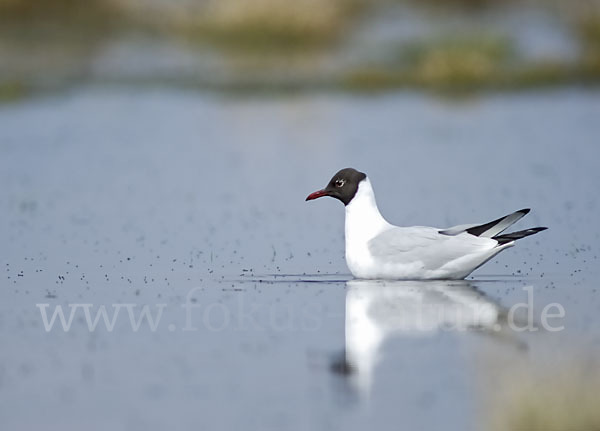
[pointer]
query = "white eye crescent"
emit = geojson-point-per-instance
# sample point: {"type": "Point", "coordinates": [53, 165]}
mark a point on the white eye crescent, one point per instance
{"type": "Point", "coordinates": [340, 182]}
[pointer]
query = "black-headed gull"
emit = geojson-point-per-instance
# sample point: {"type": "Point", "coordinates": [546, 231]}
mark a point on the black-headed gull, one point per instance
{"type": "Point", "coordinates": [376, 249]}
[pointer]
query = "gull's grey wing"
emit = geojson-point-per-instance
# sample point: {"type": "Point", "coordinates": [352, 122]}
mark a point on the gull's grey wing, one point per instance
{"type": "Point", "coordinates": [489, 229]}
{"type": "Point", "coordinates": [425, 246]}
{"type": "Point", "coordinates": [455, 230]}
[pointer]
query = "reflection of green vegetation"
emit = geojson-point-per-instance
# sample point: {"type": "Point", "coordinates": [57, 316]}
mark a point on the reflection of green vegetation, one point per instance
{"type": "Point", "coordinates": [270, 24]}
{"type": "Point", "coordinates": [62, 26]}
{"type": "Point", "coordinates": [377, 78]}
{"type": "Point", "coordinates": [65, 11]}
{"type": "Point", "coordinates": [465, 4]}
{"type": "Point", "coordinates": [589, 31]}
{"type": "Point", "coordinates": [549, 400]}
{"type": "Point", "coordinates": [541, 74]}
{"type": "Point", "coordinates": [274, 44]}
{"type": "Point", "coordinates": [537, 75]}
{"type": "Point", "coordinates": [12, 90]}
{"type": "Point", "coordinates": [467, 64]}
{"type": "Point", "coordinates": [48, 43]}
{"type": "Point", "coordinates": [464, 61]}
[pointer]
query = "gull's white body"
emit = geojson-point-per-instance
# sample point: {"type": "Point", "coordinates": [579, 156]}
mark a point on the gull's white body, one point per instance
{"type": "Point", "coordinates": [376, 249]}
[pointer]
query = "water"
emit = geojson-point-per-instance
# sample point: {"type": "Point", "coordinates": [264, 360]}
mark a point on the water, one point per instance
{"type": "Point", "coordinates": [193, 204]}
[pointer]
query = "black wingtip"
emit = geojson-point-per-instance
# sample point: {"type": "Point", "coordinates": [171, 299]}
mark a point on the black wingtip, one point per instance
{"type": "Point", "coordinates": [480, 229]}
{"type": "Point", "coordinates": [513, 236]}
{"type": "Point", "coordinates": [535, 229]}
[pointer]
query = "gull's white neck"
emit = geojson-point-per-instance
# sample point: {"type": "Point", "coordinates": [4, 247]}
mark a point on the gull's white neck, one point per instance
{"type": "Point", "coordinates": [363, 219]}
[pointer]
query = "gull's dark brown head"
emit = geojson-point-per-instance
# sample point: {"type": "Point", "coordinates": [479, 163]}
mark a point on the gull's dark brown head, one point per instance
{"type": "Point", "coordinates": [343, 186]}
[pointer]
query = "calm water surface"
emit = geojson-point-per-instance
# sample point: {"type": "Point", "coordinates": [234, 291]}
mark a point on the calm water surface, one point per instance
{"type": "Point", "coordinates": [193, 205]}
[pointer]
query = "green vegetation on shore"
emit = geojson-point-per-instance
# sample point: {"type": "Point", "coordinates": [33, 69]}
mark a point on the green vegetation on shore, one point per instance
{"type": "Point", "coordinates": [279, 44]}
{"type": "Point", "coordinates": [544, 399]}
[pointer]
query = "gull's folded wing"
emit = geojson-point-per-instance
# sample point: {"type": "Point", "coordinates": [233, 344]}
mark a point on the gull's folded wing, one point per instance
{"type": "Point", "coordinates": [487, 230]}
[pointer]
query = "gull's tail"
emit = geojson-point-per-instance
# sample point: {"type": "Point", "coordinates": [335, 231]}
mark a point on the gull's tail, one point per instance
{"type": "Point", "coordinates": [513, 236]}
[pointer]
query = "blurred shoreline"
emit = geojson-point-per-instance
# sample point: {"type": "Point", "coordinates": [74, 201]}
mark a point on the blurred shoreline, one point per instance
{"type": "Point", "coordinates": [278, 45]}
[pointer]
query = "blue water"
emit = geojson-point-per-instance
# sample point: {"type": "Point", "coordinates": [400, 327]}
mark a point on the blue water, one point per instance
{"type": "Point", "coordinates": [193, 204]}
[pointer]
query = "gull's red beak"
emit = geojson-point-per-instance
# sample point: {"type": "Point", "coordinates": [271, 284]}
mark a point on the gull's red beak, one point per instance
{"type": "Point", "coordinates": [317, 194]}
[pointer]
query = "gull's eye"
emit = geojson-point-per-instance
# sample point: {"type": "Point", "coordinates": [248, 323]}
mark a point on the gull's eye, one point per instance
{"type": "Point", "coordinates": [340, 182]}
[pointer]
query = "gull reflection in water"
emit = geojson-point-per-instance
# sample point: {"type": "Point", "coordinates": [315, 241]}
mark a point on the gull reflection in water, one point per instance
{"type": "Point", "coordinates": [377, 310]}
